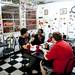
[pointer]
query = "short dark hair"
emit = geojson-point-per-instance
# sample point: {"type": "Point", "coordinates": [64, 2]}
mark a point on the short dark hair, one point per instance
{"type": "Point", "coordinates": [41, 30]}
{"type": "Point", "coordinates": [23, 31]}
{"type": "Point", "coordinates": [57, 36]}
{"type": "Point", "coordinates": [64, 36]}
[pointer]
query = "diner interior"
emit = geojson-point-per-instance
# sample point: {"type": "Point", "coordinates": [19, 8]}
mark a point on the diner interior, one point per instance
{"type": "Point", "coordinates": [37, 37]}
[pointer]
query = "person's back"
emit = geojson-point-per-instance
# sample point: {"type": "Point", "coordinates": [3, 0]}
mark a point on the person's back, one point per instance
{"type": "Point", "coordinates": [60, 53]}
{"type": "Point", "coordinates": [63, 54]}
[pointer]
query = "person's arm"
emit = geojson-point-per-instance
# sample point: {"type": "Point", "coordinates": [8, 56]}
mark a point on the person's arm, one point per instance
{"type": "Point", "coordinates": [33, 40]}
{"type": "Point", "coordinates": [24, 46]}
{"type": "Point", "coordinates": [21, 43]}
{"type": "Point", "coordinates": [52, 54]}
{"type": "Point", "coordinates": [43, 39]}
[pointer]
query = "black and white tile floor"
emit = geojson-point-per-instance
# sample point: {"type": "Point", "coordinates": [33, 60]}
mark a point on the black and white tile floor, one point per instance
{"type": "Point", "coordinates": [15, 66]}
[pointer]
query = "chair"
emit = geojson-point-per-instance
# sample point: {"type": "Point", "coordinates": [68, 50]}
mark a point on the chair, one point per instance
{"type": "Point", "coordinates": [67, 70]}
{"type": "Point", "coordinates": [69, 66]}
{"type": "Point", "coordinates": [45, 70]}
{"type": "Point", "coordinates": [8, 50]}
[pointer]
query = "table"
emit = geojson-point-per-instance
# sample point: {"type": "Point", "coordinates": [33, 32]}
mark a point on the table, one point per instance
{"type": "Point", "coordinates": [37, 52]}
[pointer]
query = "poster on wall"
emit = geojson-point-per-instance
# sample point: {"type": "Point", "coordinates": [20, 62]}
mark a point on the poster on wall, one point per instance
{"type": "Point", "coordinates": [63, 11]}
{"type": "Point", "coordinates": [46, 12]}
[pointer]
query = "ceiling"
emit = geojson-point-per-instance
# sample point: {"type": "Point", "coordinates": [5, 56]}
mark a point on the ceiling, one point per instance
{"type": "Point", "coordinates": [37, 2]}
{"type": "Point", "coordinates": [49, 1]}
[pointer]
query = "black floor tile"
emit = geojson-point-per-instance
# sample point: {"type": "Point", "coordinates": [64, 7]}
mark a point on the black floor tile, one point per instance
{"type": "Point", "coordinates": [10, 69]}
{"type": "Point", "coordinates": [1, 69]}
{"type": "Point", "coordinates": [14, 57]}
{"type": "Point", "coordinates": [23, 69]}
{"type": "Point", "coordinates": [13, 62]}
{"type": "Point", "coordinates": [2, 62]}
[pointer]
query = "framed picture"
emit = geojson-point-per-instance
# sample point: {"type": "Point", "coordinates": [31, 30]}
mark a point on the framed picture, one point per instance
{"type": "Point", "coordinates": [63, 11]}
{"type": "Point", "coordinates": [46, 12]}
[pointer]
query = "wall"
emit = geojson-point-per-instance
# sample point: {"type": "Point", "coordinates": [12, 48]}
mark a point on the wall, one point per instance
{"type": "Point", "coordinates": [22, 13]}
{"type": "Point", "coordinates": [57, 16]}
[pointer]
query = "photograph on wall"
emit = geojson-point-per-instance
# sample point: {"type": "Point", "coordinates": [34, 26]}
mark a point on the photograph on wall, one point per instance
{"type": "Point", "coordinates": [63, 11]}
{"type": "Point", "coordinates": [46, 12]}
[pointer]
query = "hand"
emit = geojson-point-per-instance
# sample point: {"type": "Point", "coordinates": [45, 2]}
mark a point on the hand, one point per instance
{"type": "Point", "coordinates": [32, 39]}
{"type": "Point", "coordinates": [28, 45]}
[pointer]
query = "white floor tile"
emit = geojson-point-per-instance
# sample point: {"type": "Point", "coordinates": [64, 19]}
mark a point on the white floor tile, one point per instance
{"type": "Point", "coordinates": [18, 65]}
{"type": "Point", "coordinates": [19, 59]}
{"type": "Point", "coordinates": [19, 55]}
{"type": "Point", "coordinates": [8, 60]}
{"type": "Point", "coordinates": [6, 65]}
{"type": "Point", "coordinates": [17, 72]}
{"type": "Point", "coordinates": [3, 73]}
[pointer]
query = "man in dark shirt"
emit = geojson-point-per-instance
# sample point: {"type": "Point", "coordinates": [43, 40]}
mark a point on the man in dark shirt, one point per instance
{"type": "Point", "coordinates": [24, 40]}
{"type": "Point", "coordinates": [39, 38]}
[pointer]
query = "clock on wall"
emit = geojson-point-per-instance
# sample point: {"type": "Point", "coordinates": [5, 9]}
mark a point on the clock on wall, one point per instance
{"type": "Point", "coordinates": [73, 9]}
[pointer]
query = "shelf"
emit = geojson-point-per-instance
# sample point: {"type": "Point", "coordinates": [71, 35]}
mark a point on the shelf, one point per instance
{"type": "Point", "coordinates": [10, 1]}
{"type": "Point", "coordinates": [31, 18]}
{"type": "Point", "coordinates": [8, 29]}
{"type": "Point", "coordinates": [9, 12]}
{"type": "Point", "coordinates": [10, 18]}
{"type": "Point", "coordinates": [31, 26]}
{"type": "Point", "coordinates": [10, 9]}
{"type": "Point", "coordinates": [7, 26]}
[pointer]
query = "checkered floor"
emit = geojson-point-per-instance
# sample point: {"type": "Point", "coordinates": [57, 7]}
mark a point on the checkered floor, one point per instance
{"type": "Point", "coordinates": [15, 67]}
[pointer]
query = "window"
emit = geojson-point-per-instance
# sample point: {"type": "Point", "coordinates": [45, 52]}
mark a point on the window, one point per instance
{"type": "Point", "coordinates": [30, 18]}
{"type": "Point", "coordinates": [10, 18]}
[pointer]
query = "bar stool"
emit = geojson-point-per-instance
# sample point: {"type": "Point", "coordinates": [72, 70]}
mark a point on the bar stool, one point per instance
{"type": "Point", "coordinates": [10, 49]}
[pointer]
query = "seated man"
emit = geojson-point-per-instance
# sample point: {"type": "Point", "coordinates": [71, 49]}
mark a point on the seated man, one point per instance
{"type": "Point", "coordinates": [24, 40]}
{"type": "Point", "coordinates": [60, 53]}
{"type": "Point", "coordinates": [38, 38]}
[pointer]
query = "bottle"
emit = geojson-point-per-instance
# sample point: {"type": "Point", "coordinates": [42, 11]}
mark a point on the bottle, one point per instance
{"type": "Point", "coordinates": [28, 47]}
{"type": "Point", "coordinates": [37, 49]}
